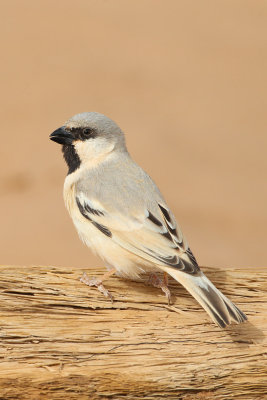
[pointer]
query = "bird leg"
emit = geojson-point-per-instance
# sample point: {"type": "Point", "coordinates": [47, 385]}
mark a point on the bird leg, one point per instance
{"type": "Point", "coordinates": [98, 282]}
{"type": "Point", "coordinates": [155, 281]}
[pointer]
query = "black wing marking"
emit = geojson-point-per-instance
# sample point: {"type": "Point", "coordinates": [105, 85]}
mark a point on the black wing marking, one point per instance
{"type": "Point", "coordinates": [84, 211]}
{"type": "Point", "coordinates": [154, 219]}
{"type": "Point", "coordinates": [173, 231]}
{"type": "Point", "coordinates": [168, 232]}
{"type": "Point", "coordinates": [102, 228]}
{"type": "Point", "coordinates": [191, 256]}
{"type": "Point", "coordinates": [165, 213]}
{"type": "Point", "coordinates": [92, 210]}
{"type": "Point", "coordinates": [176, 262]}
{"type": "Point", "coordinates": [168, 236]}
{"type": "Point", "coordinates": [189, 266]}
{"type": "Point", "coordinates": [172, 261]}
{"type": "Point", "coordinates": [171, 227]}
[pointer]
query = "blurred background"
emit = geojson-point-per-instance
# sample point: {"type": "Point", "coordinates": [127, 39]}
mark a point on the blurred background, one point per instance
{"type": "Point", "coordinates": [185, 80]}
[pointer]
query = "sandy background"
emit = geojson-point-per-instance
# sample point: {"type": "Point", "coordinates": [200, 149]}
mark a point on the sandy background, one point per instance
{"type": "Point", "coordinates": [186, 80]}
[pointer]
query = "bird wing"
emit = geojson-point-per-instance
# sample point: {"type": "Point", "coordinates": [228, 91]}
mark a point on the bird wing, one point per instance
{"type": "Point", "coordinates": [154, 236]}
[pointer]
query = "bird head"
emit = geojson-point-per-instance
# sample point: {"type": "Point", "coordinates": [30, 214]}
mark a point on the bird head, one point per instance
{"type": "Point", "coordinates": [87, 137]}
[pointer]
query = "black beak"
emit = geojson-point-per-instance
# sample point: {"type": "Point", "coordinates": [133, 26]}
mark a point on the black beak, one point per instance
{"type": "Point", "coordinates": [62, 136]}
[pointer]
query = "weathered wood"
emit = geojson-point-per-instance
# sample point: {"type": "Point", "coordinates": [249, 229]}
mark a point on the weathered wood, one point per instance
{"type": "Point", "coordinates": [63, 340]}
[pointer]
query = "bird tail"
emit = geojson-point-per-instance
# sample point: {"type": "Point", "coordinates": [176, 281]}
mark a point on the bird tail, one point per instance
{"type": "Point", "coordinates": [221, 310]}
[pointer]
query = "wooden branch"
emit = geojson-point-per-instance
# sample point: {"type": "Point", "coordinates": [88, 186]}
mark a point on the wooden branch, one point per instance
{"type": "Point", "coordinates": [63, 340]}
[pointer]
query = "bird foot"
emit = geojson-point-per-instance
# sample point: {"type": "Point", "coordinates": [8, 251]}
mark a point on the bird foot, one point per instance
{"type": "Point", "coordinates": [155, 281]}
{"type": "Point", "coordinates": [98, 283]}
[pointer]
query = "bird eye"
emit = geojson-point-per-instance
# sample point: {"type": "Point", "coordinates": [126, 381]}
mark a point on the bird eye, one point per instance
{"type": "Point", "coordinates": [86, 131]}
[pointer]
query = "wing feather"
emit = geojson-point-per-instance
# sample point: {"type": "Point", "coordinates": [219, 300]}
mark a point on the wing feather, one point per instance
{"type": "Point", "coordinates": [155, 238]}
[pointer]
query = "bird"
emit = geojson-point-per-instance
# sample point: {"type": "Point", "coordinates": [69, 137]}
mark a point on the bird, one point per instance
{"type": "Point", "coordinates": [121, 215]}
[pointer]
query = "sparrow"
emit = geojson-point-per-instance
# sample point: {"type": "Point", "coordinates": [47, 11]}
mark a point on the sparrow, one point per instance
{"type": "Point", "coordinates": [122, 217]}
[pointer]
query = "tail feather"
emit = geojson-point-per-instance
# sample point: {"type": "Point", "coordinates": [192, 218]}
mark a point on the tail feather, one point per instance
{"type": "Point", "coordinates": [221, 310]}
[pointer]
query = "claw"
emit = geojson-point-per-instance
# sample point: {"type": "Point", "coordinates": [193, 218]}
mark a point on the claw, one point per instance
{"type": "Point", "coordinates": [98, 283]}
{"type": "Point", "coordinates": [155, 281]}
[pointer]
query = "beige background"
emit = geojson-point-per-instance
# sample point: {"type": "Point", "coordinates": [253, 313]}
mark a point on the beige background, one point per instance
{"type": "Point", "coordinates": [186, 80]}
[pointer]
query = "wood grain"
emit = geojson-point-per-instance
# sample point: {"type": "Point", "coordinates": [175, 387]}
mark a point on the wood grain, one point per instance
{"type": "Point", "coordinates": [63, 340]}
